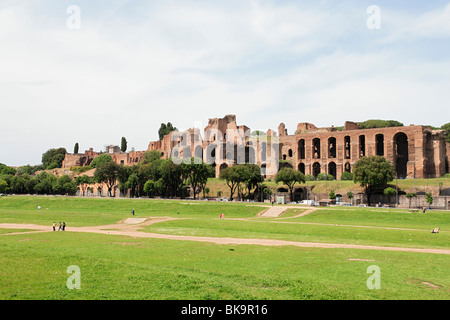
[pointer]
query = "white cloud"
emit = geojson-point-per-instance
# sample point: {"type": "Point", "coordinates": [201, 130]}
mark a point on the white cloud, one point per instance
{"type": "Point", "coordinates": [185, 62]}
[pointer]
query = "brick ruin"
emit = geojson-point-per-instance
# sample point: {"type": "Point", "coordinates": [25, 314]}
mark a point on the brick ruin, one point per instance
{"type": "Point", "coordinates": [416, 151]}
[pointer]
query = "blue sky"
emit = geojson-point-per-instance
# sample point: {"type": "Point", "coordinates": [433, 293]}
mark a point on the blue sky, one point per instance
{"type": "Point", "coordinates": [134, 64]}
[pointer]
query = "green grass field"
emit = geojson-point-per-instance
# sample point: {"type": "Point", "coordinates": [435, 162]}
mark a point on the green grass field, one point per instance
{"type": "Point", "coordinates": [34, 265]}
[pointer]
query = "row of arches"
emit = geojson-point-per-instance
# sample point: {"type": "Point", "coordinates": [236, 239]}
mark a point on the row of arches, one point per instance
{"type": "Point", "coordinates": [400, 154]}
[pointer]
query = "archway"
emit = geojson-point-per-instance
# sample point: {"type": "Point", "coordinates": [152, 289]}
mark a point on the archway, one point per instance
{"type": "Point", "coordinates": [379, 144]}
{"type": "Point", "coordinates": [316, 148]}
{"type": "Point", "coordinates": [332, 147]}
{"type": "Point", "coordinates": [332, 169]}
{"type": "Point", "coordinates": [301, 167]}
{"type": "Point", "coordinates": [401, 154]}
{"type": "Point", "coordinates": [301, 149]}
{"type": "Point", "coordinates": [347, 147]}
{"type": "Point", "coordinates": [316, 169]}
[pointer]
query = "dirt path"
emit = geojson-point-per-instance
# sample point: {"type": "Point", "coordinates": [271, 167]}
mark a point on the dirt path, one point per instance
{"type": "Point", "coordinates": [131, 230]}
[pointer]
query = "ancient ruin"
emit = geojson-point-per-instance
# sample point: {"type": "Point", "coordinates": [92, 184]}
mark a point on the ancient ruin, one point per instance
{"type": "Point", "coordinates": [416, 151]}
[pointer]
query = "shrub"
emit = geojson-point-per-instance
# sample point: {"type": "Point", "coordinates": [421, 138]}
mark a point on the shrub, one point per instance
{"type": "Point", "coordinates": [324, 176]}
{"type": "Point", "coordinates": [346, 176]}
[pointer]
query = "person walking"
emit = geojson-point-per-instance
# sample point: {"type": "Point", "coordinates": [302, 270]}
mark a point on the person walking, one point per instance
{"type": "Point", "coordinates": [64, 226]}
{"type": "Point", "coordinates": [39, 208]}
{"type": "Point", "coordinates": [54, 226]}
{"type": "Point", "coordinates": [59, 228]}
{"type": "Point", "coordinates": [132, 211]}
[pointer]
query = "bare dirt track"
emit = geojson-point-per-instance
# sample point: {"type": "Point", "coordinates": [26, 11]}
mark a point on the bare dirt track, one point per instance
{"type": "Point", "coordinates": [131, 228]}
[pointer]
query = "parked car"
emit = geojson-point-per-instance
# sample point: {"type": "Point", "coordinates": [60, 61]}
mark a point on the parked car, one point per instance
{"type": "Point", "coordinates": [362, 205]}
{"type": "Point", "coordinates": [2, 195]}
{"type": "Point", "coordinates": [346, 204]}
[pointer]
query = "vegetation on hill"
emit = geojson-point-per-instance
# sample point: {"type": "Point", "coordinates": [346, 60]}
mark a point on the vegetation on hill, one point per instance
{"type": "Point", "coordinates": [375, 123]}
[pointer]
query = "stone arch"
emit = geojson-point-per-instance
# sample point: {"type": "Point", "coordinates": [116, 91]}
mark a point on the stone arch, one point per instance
{"type": "Point", "coordinates": [301, 149]}
{"type": "Point", "coordinates": [301, 167]}
{"type": "Point", "coordinates": [332, 169]}
{"type": "Point", "coordinates": [379, 144]}
{"type": "Point", "coordinates": [347, 147]}
{"type": "Point", "coordinates": [222, 167]}
{"type": "Point", "coordinates": [198, 152]}
{"type": "Point", "coordinates": [316, 148]}
{"type": "Point", "coordinates": [347, 167]}
{"type": "Point", "coordinates": [332, 147]}
{"type": "Point", "coordinates": [316, 169]}
{"type": "Point", "coordinates": [401, 154]}
{"type": "Point", "coordinates": [362, 146]}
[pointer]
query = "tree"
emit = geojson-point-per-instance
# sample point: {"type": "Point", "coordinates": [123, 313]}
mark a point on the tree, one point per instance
{"type": "Point", "coordinates": [325, 176]}
{"type": "Point", "coordinates": [101, 159]}
{"type": "Point", "coordinates": [350, 196]}
{"type": "Point", "coordinates": [231, 177]}
{"type": "Point", "coordinates": [196, 175]}
{"type": "Point", "coordinates": [84, 181]}
{"type": "Point", "coordinates": [289, 177]}
{"type": "Point", "coordinates": [75, 148]}
{"type": "Point", "coordinates": [123, 145]}
{"type": "Point", "coordinates": [44, 183]}
{"type": "Point", "coordinates": [53, 158]}
{"type": "Point", "coordinates": [389, 192]}
{"type": "Point", "coordinates": [206, 191]}
{"type": "Point", "coordinates": [332, 195]}
{"type": "Point", "coordinates": [149, 187]}
{"type": "Point", "coordinates": [150, 156]}
{"type": "Point", "coordinates": [132, 183]}
{"type": "Point", "coordinates": [3, 186]}
{"type": "Point", "coordinates": [446, 127]}
{"type": "Point", "coordinates": [371, 173]}
{"type": "Point", "coordinates": [346, 176]}
{"type": "Point", "coordinates": [410, 195]}
{"type": "Point", "coordinates": [369, 124]}
{"type": "Point", "coordinates": [429, 199]}
{"type": "Point", "coordinates": [165, 129]}
{"type": "Point", "coordinates": [250, 178]}
{"type": "Point", "coordinates": [107, 173]}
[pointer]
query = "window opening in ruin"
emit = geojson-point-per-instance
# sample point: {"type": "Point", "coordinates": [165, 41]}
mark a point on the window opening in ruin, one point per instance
{"type": "Point", "coordinates": [301, 149]}
{"type": "Point", "coordinates": [379, 144]}
{"type": "Point", "coordinates": [401, 154]}
{"type": "Point", "coordinates": [316, 169]}
{"type": "Point", "coordinates": [316, 148]}
{"type": "Point", "coordinates": [347, 147]}
{"type": "Point", "coordinates": [332, 147]}
{"type": "Point", "coordinates": [362, 146]}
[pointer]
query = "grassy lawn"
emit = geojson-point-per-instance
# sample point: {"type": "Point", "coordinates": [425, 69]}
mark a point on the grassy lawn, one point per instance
{"type": "Point", "coordinates": [34, 265]}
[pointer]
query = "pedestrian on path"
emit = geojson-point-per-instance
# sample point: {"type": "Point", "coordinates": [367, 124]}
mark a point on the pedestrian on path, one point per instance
{"type": "Point", "coordinates": [64, 226]}
{"type": "Point", "coordinates": [59, 228]}
{"type": "Point", "coordinates": [54, 226]}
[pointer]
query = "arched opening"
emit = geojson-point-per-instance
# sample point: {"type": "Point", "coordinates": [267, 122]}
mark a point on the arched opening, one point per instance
{"type": "Point", "coordinates": [198, 152]}
{"type": "Point", "coordinates": [290, 153]}
{"type": "Point", "coordinates": [347, 167]}
{"type": "Point", "coordinates": [263, 170]}
{"type": "Point", "coordinates": [222, 167]}
{"type": "Point", "coordinates": [379, 144]}
{"type": "Point", "coordinates": [316, 148]}
{"type": "Point", "coordinates": [347, 147]}
{"type": "Point", "coordinates": [362, 146]}
{"type": "Point", "coordinates": [301, 167]}
{"type": "Point", "coordinates": [301, 149]}
{"type": "Point", "coordinates": [332, 169]}
{"type": "Point", "coordinates": [316, 169]}
{"type": "Point", "coordinates": [332, 147]}
{"type": "Point", "coordinates": [298, 194]}
{"type": "Point", "coordinates": [401, 154]}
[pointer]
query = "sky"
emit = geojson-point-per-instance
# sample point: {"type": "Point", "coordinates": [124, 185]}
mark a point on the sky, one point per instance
{"type": "Point", "coordinates": [95, 71]}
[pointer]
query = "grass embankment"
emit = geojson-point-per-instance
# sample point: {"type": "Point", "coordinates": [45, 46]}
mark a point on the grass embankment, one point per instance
{"type": "Point", "coordinates": [34, 265]}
